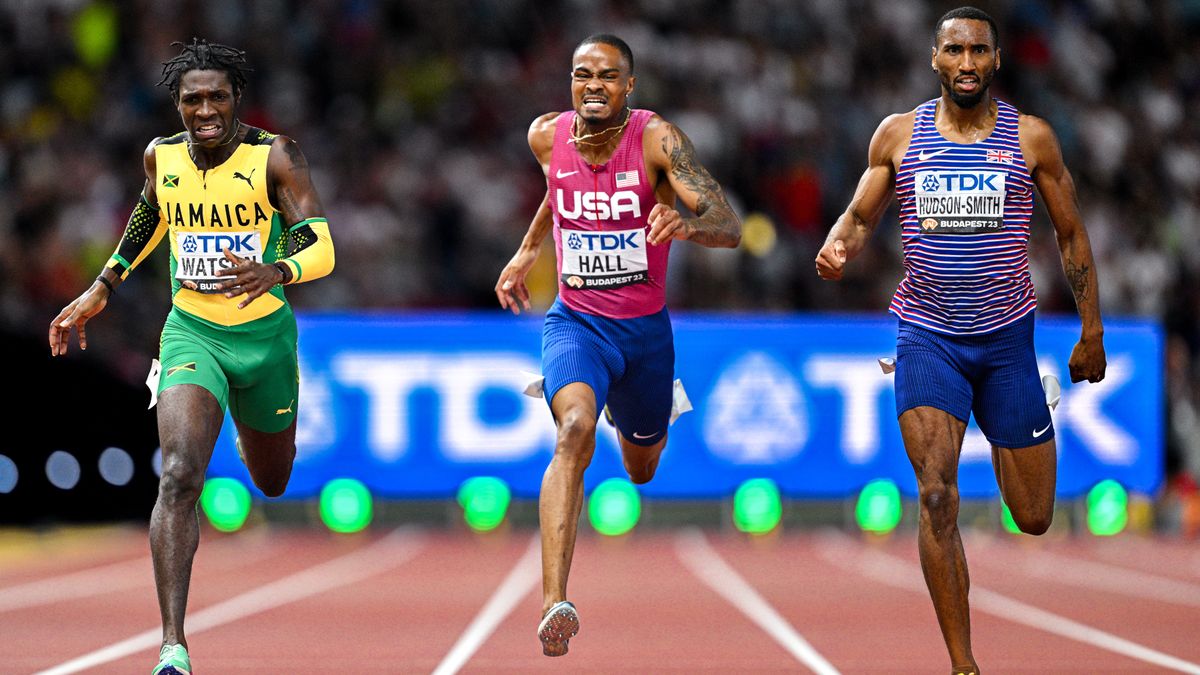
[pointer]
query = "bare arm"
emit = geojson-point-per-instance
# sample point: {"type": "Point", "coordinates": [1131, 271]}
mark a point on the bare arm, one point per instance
{"type": "Point", "coordinates": [141, 236]}
{"type": "Point", "coordinates": [511, 290]}
{"type": "Point", "coordinates": [290, 188]}
{"type": "Point", "coordinates": [853, 229]}
{"type": "Point", "coordinates": [1057, 188]}
{"type": "Point", "coordinates": [715, 224]}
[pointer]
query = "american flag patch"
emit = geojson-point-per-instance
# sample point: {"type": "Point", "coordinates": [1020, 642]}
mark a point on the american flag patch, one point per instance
{"type": "Point", "coordinates": [627, 179]}
{"type": "Point", "coordinates": [1001, 156]}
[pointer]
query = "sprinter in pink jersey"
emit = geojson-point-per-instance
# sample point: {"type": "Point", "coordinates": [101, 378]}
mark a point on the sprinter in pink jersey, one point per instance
{"type": "Point", "coordinates": [613, 175]}
{"type": "Point", "coordinates": [964, 167]}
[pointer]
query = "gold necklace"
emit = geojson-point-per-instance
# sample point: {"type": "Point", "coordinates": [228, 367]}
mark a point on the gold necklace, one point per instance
{"type": "Point", "coordinates": [582, 140]}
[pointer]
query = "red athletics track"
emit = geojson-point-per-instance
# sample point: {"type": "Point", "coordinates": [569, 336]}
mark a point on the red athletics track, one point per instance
{"type": "Point", "coordinates": [418, 601]}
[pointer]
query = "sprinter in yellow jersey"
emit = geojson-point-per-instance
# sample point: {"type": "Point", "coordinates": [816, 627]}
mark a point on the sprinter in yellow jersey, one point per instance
{"type": "Point", "coordinates": [243, 220]}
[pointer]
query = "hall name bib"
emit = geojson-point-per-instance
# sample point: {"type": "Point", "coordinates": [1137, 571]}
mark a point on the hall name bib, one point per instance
{"type": "Point", "coordinates": [201, 258]}
{"type": "Point", "coordinates": [967, 202]}
{"type": "Point", "coordinates": [609, 259]}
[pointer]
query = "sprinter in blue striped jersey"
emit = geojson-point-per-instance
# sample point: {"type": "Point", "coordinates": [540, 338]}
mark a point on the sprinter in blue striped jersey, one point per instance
{"type": "Point", "coordinates": [964, 167]}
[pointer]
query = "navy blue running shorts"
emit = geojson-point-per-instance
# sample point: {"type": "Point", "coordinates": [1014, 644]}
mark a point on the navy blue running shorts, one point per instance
{"type": "Point", "coordinates": [628, 363]}
{"type": "Point", "coordinates": [994, 375]}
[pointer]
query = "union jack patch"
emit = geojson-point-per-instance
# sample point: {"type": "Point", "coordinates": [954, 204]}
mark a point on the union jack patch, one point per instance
{"type": "Point", "coordinates": [627, 178]}
{"type": "Point", "coordinates": [1001, 156]}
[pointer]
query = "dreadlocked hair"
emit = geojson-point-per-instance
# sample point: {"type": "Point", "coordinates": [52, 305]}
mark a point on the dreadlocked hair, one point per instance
{"type": "Point", "coordinates": [203, 55]}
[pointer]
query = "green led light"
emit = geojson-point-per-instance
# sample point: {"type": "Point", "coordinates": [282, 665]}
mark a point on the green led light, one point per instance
{"type": "Point", "coordinates": [345, 505]}
{"type": "Point", "coordinates": [1107, 508]}
{"type": "Point", "coordinates": [614, 507]}
{"type": "Point", "coordinates": [878, 509]}
{"type": "Point", "coordinates": [226, 503]}
{"type": "Point", "coordinates": [484, 502]}
{"type": "Point", "coordinates": [1007, 520]}
{"type": "Point", "coordinates": [757, 507]}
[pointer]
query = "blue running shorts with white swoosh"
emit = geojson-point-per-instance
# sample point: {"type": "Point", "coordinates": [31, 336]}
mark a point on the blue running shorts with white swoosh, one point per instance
{"type": "Point", "coordinates": [628, 363]}
{"type": "Point", "coordinates": [994, 375]}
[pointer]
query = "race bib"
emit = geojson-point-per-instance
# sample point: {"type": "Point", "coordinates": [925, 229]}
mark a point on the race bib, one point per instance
{"type": "Point", "coordinates": [600, 260]}
{"type": "Point", "coordinates": [968, 202]}
{"type": "Point", "coordinates": [201, 259]}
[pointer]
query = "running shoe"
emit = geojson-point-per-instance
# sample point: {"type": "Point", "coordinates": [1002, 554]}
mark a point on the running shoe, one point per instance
{"type": "Point", "coordinates": [559, 625]}
{"type": "Point", "coordinates": [173, 660]}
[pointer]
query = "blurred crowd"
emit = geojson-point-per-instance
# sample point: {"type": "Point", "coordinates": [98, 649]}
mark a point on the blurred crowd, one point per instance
{"type": "Point", "coordinates": [413, 116]}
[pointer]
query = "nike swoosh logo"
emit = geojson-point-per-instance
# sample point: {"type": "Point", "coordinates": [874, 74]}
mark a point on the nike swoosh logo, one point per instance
{"type": "Point", "coordinates": [923, 156]}
{"type": "Point", "coordinates": [560, 174]}
{"type": "Point", "coordinates": [641, 437]}
{"type": "Point", "coordinates": [1039, 433]}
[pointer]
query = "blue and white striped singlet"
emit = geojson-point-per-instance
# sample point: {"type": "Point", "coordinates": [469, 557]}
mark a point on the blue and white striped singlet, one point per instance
{"type": "Point", "coordinates": [964, 210]}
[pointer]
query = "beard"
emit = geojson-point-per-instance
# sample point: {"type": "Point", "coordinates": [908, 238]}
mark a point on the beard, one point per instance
{"type": "Point", "coordinates": [969, 100]}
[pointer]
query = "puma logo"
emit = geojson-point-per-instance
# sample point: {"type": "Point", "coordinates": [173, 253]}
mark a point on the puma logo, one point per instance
{"type": "Point", "coordinates": [238, 175]}
{"type": "Point", "coordinates": [284, 411]}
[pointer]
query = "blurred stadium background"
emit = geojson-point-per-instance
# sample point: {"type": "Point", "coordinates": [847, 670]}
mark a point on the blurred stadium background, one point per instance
{"type": "Point", "coordinates": [413, 116]}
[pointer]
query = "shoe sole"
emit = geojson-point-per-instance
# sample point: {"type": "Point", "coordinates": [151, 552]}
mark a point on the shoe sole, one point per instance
{"type": "Point", "coordinates": [559, 626]}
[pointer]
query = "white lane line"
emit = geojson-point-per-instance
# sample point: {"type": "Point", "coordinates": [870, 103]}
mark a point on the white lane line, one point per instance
{"type": "Point", "coordinates": [694, 551]}
{"type": "Point", "coordinates": [520, 582]}
{"type": "Point", "coordinates": [899, 573]}
{"type": "Point", "coordinates": [111, 578]}
{"type": "Point", "coordinates": [376, 558]}
{"type": "Point", "coordinates": [1110, 578]}
{"type": "Point", "coordinates": [118, 576]}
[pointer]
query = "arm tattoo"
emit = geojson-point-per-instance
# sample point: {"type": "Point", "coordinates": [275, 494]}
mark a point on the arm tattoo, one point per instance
{"type": "Point", "coordinates": [295, 157]}
{"type": "Point", "coordinates": [1077, 277]}
{"type": "Point", "coordinates": [289, 206]}
{"type": "Point", "coordinates": [714, 224]}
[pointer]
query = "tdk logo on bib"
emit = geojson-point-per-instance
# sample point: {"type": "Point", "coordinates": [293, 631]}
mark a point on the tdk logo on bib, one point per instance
{"type": "Point", "coordinates": [201, 256]}
{"type": "Point", "coordinates": [964, 182]}
{"type": "Point", "coordinates": [960, 202]}
{"type": "Point", "coordinates": [600, 205]}
{"type": "Point", "coordinates": [239, 244]}
{"type": "Point", "coordinates": [602, 241]}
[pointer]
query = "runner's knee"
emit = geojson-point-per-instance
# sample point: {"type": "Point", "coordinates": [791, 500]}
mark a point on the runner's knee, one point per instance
{"type": "Point", "coordinates": [641, 472]}
{"type": "Point", "coordinates": [576, 436]}
{"type": "Point", "coordinates": [272, 486]}
{"type": "Point", "coordinates": [1033, 522]}
{"type": "Point", "coordinates": [181, 483]}
{"type": "Point", "coordinates": [939, 500]}
{"type": "Point", "coordinates": [640, 462]}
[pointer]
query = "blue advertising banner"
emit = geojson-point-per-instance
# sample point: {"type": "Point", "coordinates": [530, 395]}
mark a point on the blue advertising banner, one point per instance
{"type": "Point", "coordinates": [414, 405]}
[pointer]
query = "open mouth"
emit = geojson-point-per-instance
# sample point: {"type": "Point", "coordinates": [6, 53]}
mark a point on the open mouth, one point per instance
{"type": "Point", "coordinates": [594, 102]}
{"type": "Point", "coordinates": [968, 83]}
{"type": "Point", "coordinates": [205, 131]}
